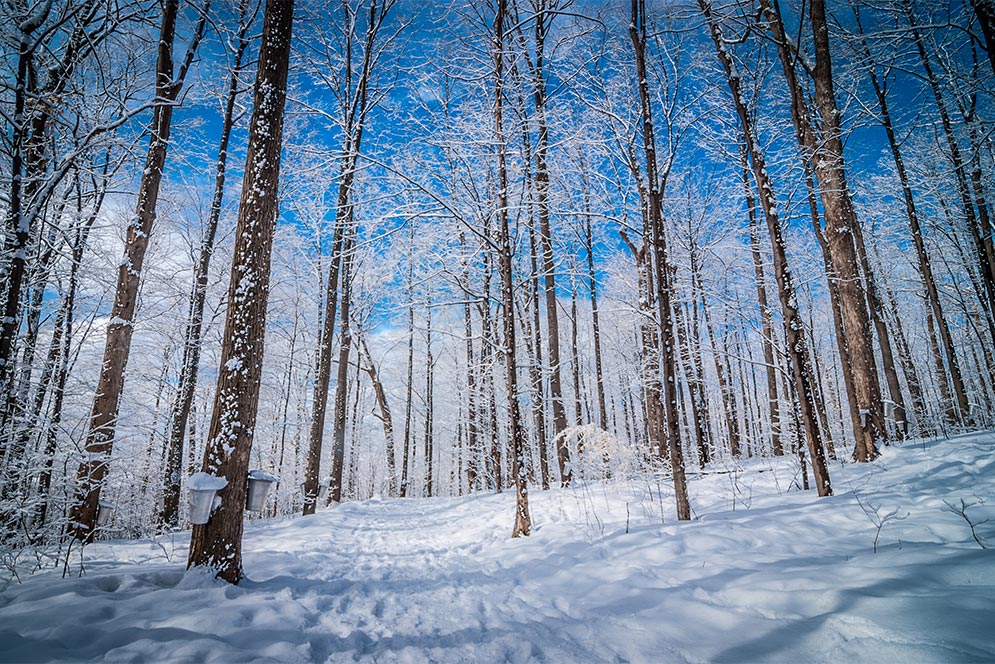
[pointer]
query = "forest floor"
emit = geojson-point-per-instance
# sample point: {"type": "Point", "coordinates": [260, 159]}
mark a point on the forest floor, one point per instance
{"type": "Point", "coordinates": [764, 573]}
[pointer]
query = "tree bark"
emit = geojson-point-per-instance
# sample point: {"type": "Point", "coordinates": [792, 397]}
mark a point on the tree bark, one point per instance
{"type": "Point", "coordinates": [766, 315]}
{"type": "Point", "coordinates": [985, 11]}
{"type": "Point", "coordinates": [794, 329]}
{"type": "Point", "coordinates": [429, 440]}
{"type": "Point", "coordinates": [103, 420]}
{"type": "Point", "coordinates": [985, 254]}
{"type": "Point", "coordinates": [542, 27]}
{"type": "Point", "coordinates": [354, 121]}
{"type": "Point", "coordinates": [825, 155]}
{"type": "Point", "coordinates": [728, 400]}
{"type": "Point", "coordinates": [385, 416]}
{"type": "Point", "coordinates": [595, 313]}
{"type": "Point", "coordinates": [523, 519]}
{"type": "Point", "coordinates": [339, 414]}
{"type": "Point", "coordinates": [218, 544]}
{"type": "Point", "coordinates": [664, 290]}
{"type": "Point", "coordinates": [922, 256]}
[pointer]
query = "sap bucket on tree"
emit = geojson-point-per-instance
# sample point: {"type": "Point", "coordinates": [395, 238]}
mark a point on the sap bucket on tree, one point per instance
{"type": "Point", "coordinates": [259, 486]}
{"type": "Point", "coordinates": [322, 490]}
{"type": "Point", "coordinates": [203, 491]}
{"type": "Point", "coordinates": [104, 512]}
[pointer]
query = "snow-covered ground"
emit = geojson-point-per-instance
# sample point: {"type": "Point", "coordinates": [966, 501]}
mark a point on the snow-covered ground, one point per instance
{"type": "Point", "coordinates": [774, 575]}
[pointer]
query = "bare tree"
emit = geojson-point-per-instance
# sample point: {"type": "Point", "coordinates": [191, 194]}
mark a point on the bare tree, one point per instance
{"type": "Point", "coordinates": [820, 137]}
{"type": "Point", "coordinates": [355, 107]}
{"type": "Point", "coordinates": [794, 329]}
{"type": "Point", "coordinates": [661, 275]}
{"type": "Point", "coordinates": [103, 418]}
{"type": "Point", "coordinates": [519, 472]}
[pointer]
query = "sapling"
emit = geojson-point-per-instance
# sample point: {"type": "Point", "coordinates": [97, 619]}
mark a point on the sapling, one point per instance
{"type": "Point", "coordinates": [961, 511]}
{"type": "Point", "coordinates": [873, 512]}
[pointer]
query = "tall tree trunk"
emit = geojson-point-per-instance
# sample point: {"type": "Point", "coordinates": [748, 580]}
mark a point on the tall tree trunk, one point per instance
{"type": "Point", "coordinates": [689, 353]}
{"type": "Point", "coordinates": [922, 256]}
{"type": "Point", "coordinates": [103, 419]}
{"type": "Point", "coordinates": [218, 544]}
{"type": "Point", "coordinates": [488, 355]}
{"type": "Point", "coordinates": [36, 103]}
{"type": "Point", "coordinates": [472, 452]}
{"type": "Point", "coordinates": [905, 359]}
{"type": "Point", "coordinates": [385, 417]}
{"type": "Point", "coordinates": [339, 414]}
{"type": "Point", "coordinates": [523, 519]}
{"type": "Point", "coordinates": [766, 314]}
{"type": "Point", "coordinates": [728, 400]}
{"type": "Point", "coordinates": [985, 11]}
{"type": "Point", "coordinates": [355, 111]}
{"type": "Point", "coordinates": [429, 440]}
{"type": "Point", "coordinates": [794, 329]}
{"type": "Point", "coordinates": [62, 345]}
{"type": "Point", "coordinates": [593, 289]}
{"type": "Point", "coordinates": [534, 344]}
{"type": "Point", "coordinates": [985, 257]}
{"type": "Point", "coordinates": [664, 290]}
{"type": "Point", "coordinates": [575, 355]}
{"type": "Point", "coordinates": [542, 26]}
{"type": "Point", "coordinates": [409, 383]}
{"type": "Point", "coordinates": [824, 153]}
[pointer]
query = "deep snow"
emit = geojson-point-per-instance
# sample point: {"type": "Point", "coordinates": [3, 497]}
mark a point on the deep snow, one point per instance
{"type": "Point", "coordinates": [772, 575]}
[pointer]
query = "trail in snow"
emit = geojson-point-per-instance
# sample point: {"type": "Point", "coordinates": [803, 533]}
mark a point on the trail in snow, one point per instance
{"type": "Point", "coordinates": [792, 578]}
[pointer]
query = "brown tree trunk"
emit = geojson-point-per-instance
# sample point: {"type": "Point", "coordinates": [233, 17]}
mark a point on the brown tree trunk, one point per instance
{"type": "Point", "coordinates": [690, 356]}
{"type": "Point", "coordinates": [794, 329]}
{"type": "Point", "coordinates": [340, 414]}
{"type": "Point", "coordinates": [429, 404]}
{"type": "Point", "coordinates": [218, 544]}
{"type": "Point", "coordinates": [664, 290]}
{"type": "Point", "coordinates": [766, 315]}
{"type": "Point", "coordinates": [388, 422]}
{"type": "Point", "coordinates": [595, 314]}
{"type": "Point", "coordinates": [905, 359]}
{"type": "Point", "coordinates": [985, 11]}
{"type": "Point", "coordinates": [925, 267]}
{"type": "Point", "coordinates": [728, 400]}
{"type": "Point", "coordinates": [489, 343]}
{"type": "Point", "coordinates": [31, 185]}
{"type": "Point", "coordinates": [61, 345]}
{"type": "Point", "coordinates": [353, 124]}
{"type": "Point", "coordinates": [985, 254]}
{"type": "Point", "coordinates": [575, 355]}
{"type": "Point", "coordinates": [533, 332]}
{"type": "Point", "coordinates": [824, 153]}
{"type": "Point", "coordinates": [103, 419]}
{"type": "Point", "coordinates": [523, 519]}
{"type": "Point", "coordinates": [409, 384]}
{"type": "Point", "coordinates": [546, 241]}
{"type": "Point", "coordinates": [472, 452]}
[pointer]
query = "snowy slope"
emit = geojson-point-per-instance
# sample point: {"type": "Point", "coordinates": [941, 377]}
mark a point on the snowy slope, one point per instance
{"type": "Point", "coordinates": [775, 575]}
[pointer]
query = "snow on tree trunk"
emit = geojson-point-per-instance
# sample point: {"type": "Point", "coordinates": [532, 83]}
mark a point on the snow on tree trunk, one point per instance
{"type": "Point", "coordinates": [218, 543]}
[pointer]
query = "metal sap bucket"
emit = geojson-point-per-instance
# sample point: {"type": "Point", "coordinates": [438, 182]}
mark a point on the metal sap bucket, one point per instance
{"type": "Point", "coordinates": [203, 489]}
{"type": "Point", "coordinates": [104, 512]}
{"type": "Point", "coordinates": [257, 490]}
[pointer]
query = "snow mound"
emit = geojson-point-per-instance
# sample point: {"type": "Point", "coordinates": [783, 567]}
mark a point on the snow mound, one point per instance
{"type": "Point", "coordinates": [896, 567]}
